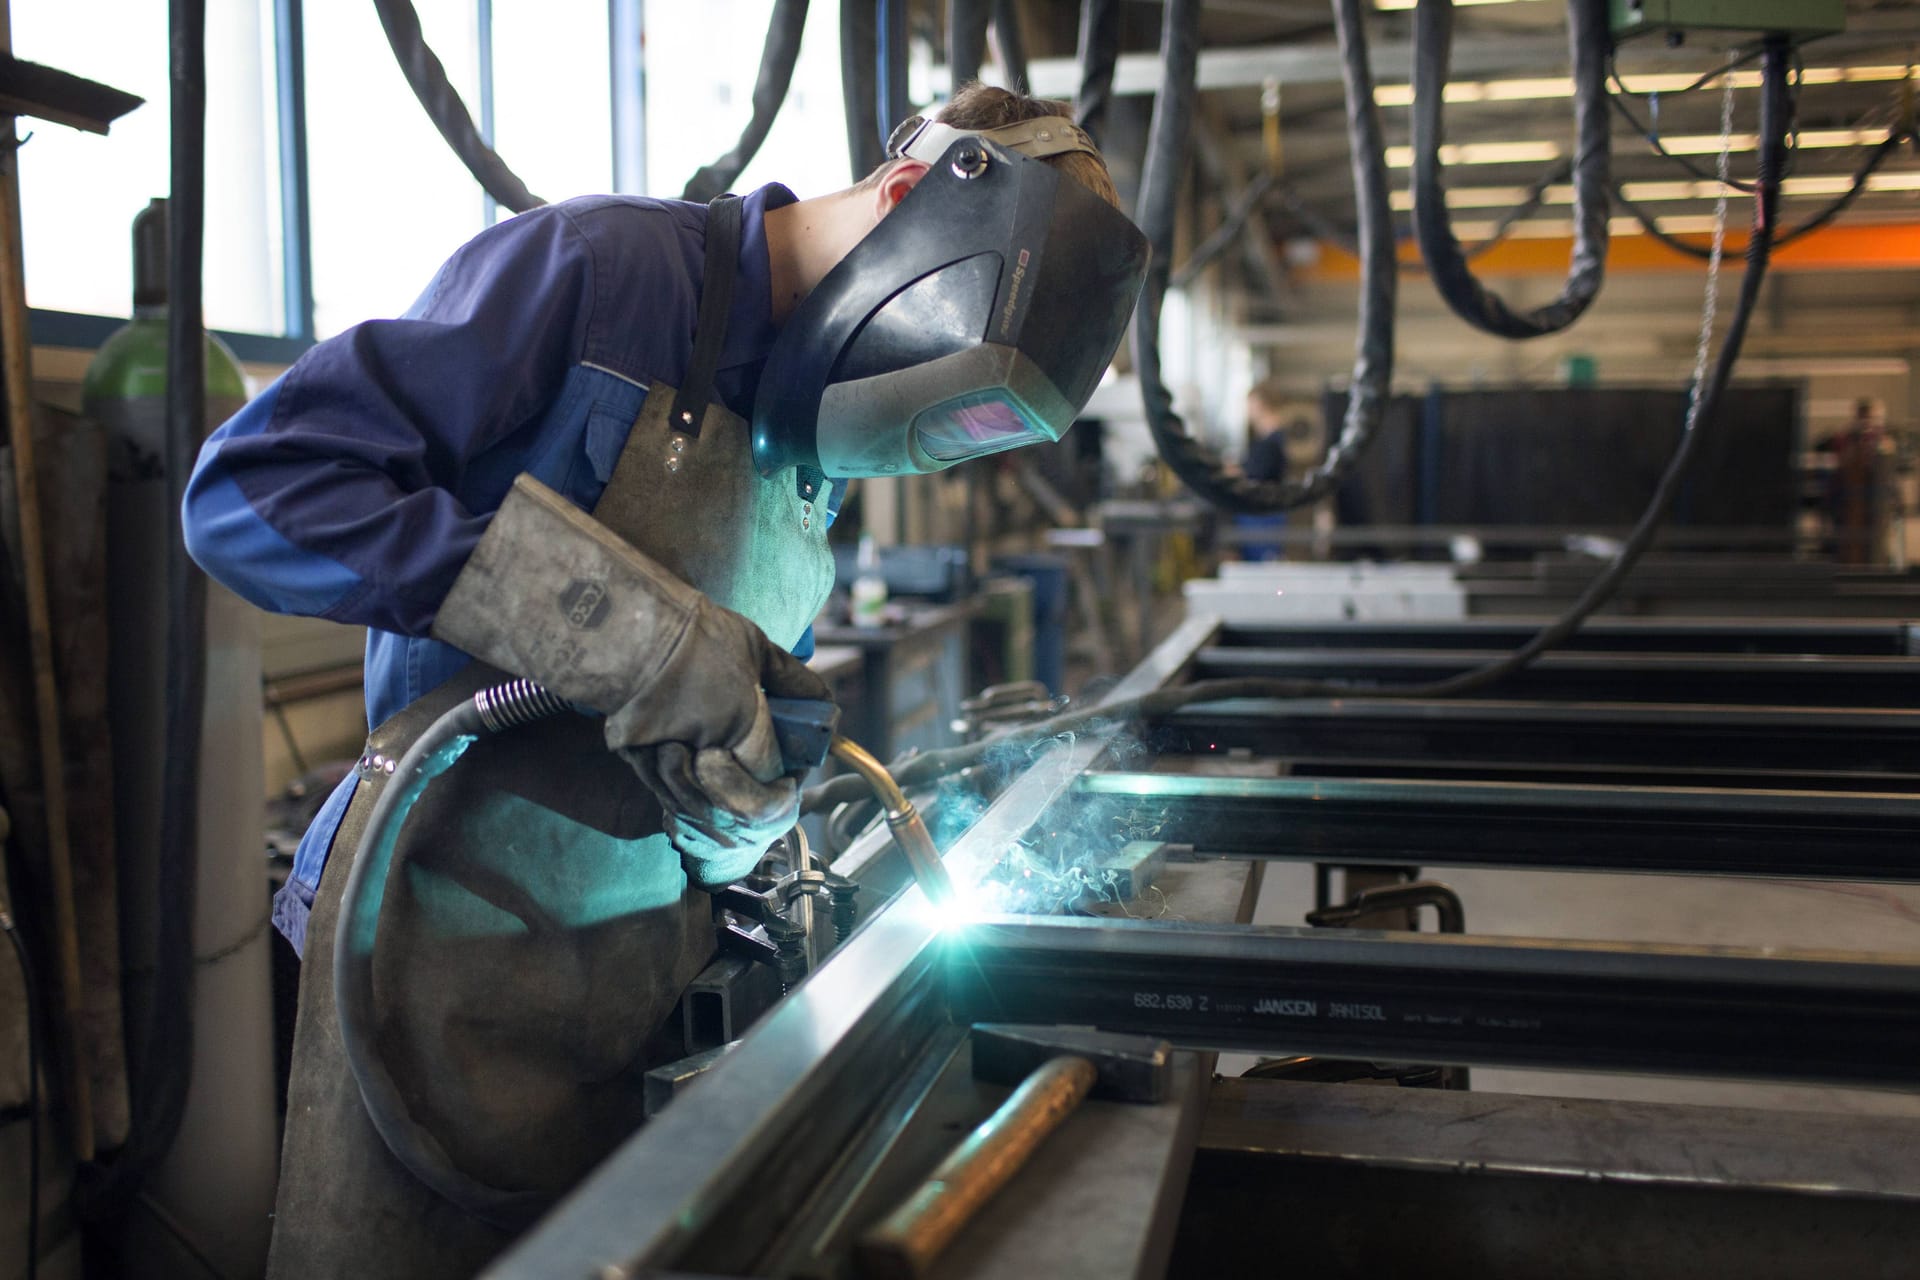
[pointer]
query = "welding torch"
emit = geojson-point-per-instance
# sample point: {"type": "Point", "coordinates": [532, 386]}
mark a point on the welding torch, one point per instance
{"type": "Point", "coordinates": [908, 827]}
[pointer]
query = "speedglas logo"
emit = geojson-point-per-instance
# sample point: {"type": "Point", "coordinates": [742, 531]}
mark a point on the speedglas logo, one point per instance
{"type": "Point", "coordinates": [1013, 294]}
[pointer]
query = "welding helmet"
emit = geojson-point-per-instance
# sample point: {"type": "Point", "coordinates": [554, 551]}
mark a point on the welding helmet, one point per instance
{"type": "Point", "coordinates": [977, 316]}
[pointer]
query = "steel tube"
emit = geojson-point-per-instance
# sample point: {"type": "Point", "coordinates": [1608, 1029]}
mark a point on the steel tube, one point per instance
{"type": "Point", "coordinates": [1455, 999]}
{"type": "Point", "coordinates": [1690, 830]}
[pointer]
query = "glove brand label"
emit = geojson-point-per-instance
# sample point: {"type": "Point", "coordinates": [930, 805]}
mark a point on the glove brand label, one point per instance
{"type": "Point", "coordinates": [585, 603]}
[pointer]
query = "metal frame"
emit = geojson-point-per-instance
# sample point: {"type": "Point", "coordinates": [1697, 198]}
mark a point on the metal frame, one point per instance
{"type": "Point", "coordinates": [785, 1123]}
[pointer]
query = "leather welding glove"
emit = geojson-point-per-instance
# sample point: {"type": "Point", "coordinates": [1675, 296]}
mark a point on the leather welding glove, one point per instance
{"type": "Point", "coordinates": [553, 595]}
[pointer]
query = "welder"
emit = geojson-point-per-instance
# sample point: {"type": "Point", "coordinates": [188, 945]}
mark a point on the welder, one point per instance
{"type": "Point", "coordinates": [699, 383]}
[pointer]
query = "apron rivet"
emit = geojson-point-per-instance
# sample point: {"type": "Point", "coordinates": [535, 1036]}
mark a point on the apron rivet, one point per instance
{"type": "Point", "coordinates": [673, 464]}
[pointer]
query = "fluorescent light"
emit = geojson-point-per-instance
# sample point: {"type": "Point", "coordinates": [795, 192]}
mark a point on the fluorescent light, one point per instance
{"type": "Point", "coordinates": [1523, 90]}
{"type": "Point", "coordinates": [1705, 144]}
{"type": "Point", "coordinates": [1679, 144]}
{"type": "Point", "coordinates": [1481, 153]}
{"type": "Point", "coordinates": [1653, 193]}
{"type": "Point", "coordinates": [1386, 6]}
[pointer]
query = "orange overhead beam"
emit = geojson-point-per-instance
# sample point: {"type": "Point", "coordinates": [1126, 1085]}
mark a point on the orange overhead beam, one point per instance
{"type": "Point", "coordinates": [1847, 246]}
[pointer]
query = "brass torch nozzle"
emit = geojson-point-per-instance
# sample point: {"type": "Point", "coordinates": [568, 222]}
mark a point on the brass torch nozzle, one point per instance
{"type": "Point", "coordinates": [909, 829]}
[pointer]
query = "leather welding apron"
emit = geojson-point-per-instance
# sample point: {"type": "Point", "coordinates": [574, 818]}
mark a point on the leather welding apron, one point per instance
{"type": "Point", "coordinates": [537, 930]}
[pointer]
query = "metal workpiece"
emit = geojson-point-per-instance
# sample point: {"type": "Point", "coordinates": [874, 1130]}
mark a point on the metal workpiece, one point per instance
{"type": "Point", "coordinates": [1829, 1017]}
{"type": "Point", "coordinates": [1848, 680]}
{"type": "Point", "coordinates": [1647, 1143]}
{"type": "Point", "coordinates": [1505, 1185]}
{"type": "Point", "coordinates": [1621, 741]}
{"type": "Point", "coordinates": [1829, 636]}
{"type": "Point", "coordinates": [714, 1180]}
{"type": "Point", "coordinates": [1588, 827]}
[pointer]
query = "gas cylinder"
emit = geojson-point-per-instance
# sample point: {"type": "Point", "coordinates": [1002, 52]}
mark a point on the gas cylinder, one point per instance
{"type": "Point", "coordinates": [218, 1178]}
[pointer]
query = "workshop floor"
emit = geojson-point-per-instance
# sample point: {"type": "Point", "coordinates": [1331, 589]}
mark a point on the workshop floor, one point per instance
{"type": "Point", "coordinates": [1794, 914]}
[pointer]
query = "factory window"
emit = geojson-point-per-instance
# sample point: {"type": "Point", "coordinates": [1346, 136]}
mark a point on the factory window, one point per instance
{"type": "Point", "coordinates": [79, 191]}
{"type": "Point", "coordinates": [700, 99]}
{"type": "Point", "coordinates": [389, 199]}
{"type": "Point", "coordinates": [386, 201]}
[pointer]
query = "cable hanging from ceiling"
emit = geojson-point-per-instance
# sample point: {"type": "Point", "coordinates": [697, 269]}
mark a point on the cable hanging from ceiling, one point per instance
{"type": "Point", "coordinates": [1198, 466]}
{"type": "Point", "coordinates": [1472, 301]}
{"type": "Point", "coordinates": [427, 77]}
{"type": "Point", "coordinates": [778, 57]}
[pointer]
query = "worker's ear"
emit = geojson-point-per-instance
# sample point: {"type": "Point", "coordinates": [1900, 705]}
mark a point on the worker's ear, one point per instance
{"type": "Point", "coordinates": [903, 177]}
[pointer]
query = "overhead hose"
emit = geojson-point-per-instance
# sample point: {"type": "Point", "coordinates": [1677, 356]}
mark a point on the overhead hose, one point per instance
{"type": "Point", "coordinates": [491, 710]}
{"type": "Point", "coordinates": [1197, 465]}
{"type": "Point", "coordinates": [1775, 112]}
{"type": "Point", "coordinates": [777, 60]}
{"type": "Point", "coordinates": [1013, 46]}
{"type": "Point", "coordinates": [966, 39]}
{"type": "Point", "coordinates": [1588, 40]}
{"type": "Point", "coordinates": [1099, 50]}
{"type": "Point", "coordinates": [428, 80]}
{"type": "Point", "coordinates": [858, 86]}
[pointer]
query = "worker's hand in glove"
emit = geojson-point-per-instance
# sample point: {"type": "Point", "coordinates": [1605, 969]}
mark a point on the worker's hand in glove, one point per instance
{"type": "Point", "coordinates": [701, 739]}
{"type": "Point", "coordinates": [554, 596]}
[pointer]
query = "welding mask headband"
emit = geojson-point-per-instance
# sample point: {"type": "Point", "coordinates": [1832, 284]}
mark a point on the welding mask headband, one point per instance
{"type": "Point", "coordinates": [977, 316]}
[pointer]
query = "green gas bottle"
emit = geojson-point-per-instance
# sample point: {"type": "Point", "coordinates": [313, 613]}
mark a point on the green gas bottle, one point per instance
{"type": "Point", "coordinates": [222, 1165]}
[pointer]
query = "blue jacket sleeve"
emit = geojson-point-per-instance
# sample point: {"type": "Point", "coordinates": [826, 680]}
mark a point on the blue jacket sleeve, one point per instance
{"type": "Point", "coordinates": [335, 492]}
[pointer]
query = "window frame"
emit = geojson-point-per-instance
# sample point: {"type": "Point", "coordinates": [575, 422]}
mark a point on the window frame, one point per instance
{"type": "Point", "coordinates": [625, 27]}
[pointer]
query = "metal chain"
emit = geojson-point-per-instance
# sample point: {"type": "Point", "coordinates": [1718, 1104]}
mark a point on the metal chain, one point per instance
{"type": "Point", "coordinates": [1711, 306]}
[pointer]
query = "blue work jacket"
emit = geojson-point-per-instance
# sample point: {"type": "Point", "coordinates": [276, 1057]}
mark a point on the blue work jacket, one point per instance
{"type": "Point", "coordinates": [355, 487]}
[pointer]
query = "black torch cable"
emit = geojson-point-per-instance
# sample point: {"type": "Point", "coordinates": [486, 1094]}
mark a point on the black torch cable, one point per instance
{"type": "Point", "coordinates": [1775, 110]}
{"type": "Point", "coordinates": [1099, 53]}
{"type": "Point", "coordinates": [778, 57]}
{"type": "Point", "coordinates": [1197, 465]}
{"type": "Point", "coordinates": [428, 80]}
{"type": "Point", "coordinates": [32, 989]}
{"type": "Point", "coordinates": [1433, 225]}
{"type": "Point", "coordinates": [492, 710]}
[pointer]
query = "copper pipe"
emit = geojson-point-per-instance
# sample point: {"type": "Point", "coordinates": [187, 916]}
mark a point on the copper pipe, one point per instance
{"type": "Point", "coordinates": [908, 1240]}
{"type": "Point", "coordinates": [909, 829]}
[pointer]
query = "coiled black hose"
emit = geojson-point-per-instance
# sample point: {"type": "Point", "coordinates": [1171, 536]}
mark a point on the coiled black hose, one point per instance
{"type": "Point", "coordinates": [428, 80]}
{"type": "Point", "coordinates": [1433, 226]}
{"type": "Point", "coordinates": [1196, 465]}
{"type": "Point", "coordinates": [777, 60]}
{"type": "Point", "coordinates": [1775, 114]}
{"type": "Point", "coordinates": [491, 710]}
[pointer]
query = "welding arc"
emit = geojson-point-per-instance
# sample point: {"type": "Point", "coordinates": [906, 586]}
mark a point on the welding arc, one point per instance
{"type": "Point", "coordinates": [1774, 111]}
{"type": "Point", "coordinates": [1433, 224]}
{"type": "Point", "coordinates": [1197, 465]}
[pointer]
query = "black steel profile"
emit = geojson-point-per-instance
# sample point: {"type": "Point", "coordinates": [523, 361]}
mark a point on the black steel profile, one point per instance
{"type": "Point", "coordinates": [1450, 999]}
{"type": "Point", "coordinates": [1840, 835]}
{"type": "Point", "coordinates": [1850, 747]}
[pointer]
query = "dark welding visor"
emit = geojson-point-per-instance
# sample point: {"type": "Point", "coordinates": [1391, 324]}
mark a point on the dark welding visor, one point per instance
{"type": "Point", "coordinates": [977, 316]}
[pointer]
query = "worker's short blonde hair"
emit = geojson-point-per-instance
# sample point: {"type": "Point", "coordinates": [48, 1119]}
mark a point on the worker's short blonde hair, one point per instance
{"type": "Point", "coordinates": [979, 106]}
